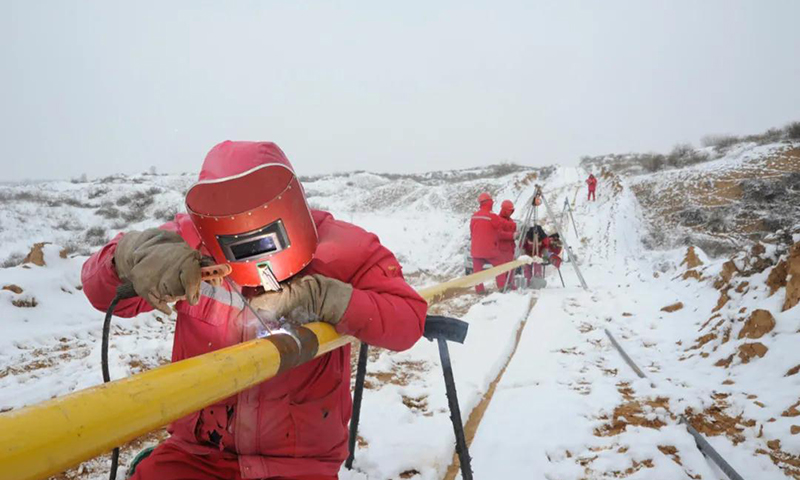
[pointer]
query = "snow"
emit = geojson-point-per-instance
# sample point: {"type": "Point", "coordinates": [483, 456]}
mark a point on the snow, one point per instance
{"type": "Point", "coordinates": [493, 324]}
{"type": "Point", "coordinates": [552, 412]}
{"type": "Point", "coordinates": [558, 389]}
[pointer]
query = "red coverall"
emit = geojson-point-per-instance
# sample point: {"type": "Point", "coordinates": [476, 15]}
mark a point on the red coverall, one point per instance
{"type": "Point", "coordinates": [294, 425]}
{"type": "Point", "coordinates": [507, 246]}
{"type": "Point", "coordinates": [592, 182]}
{"type": "Point", "coordinates": [486, 229]}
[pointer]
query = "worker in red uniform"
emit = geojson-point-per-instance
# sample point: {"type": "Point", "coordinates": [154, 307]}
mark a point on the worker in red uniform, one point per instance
{"type": "Point", "coordinates": [592, 183]}
{"type": "Point", "coordinates": [551, 249]}
{"type": "Point", "coordinates": [486, 231]}
{"type": "Point", "coordinates": [248, 210]}
{"type": "Point", "coordinates": [532, 246]}
{"type": "Point", "coordinates": [506, 245]}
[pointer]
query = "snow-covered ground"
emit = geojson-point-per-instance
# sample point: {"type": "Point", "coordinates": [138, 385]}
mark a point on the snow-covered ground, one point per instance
{"type": "Point", "coordinates": [568, 407]}
{"type": "Point", "coordinates": [565, 406]}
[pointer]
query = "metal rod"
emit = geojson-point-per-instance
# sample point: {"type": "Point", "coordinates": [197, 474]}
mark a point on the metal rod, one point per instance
{"type": "Point", "coordinates": [247, 304]}
{"type": "Point", "coordinates": [358, 394]}
{"type": "Point", "coordinates": [455, 413]}
{"type": "Point", "coordinates": [572, 218]}
{"type": "Point", "coordinates": [625, 356]}
{"type": "Point", "coordinates": [710, 452]}
{"type": "Point", "coordinates": [701, 442]}
{"type": "Point", "coordinates": [566, 245]}
{"type": "Point", "coordinates": [529, 211]}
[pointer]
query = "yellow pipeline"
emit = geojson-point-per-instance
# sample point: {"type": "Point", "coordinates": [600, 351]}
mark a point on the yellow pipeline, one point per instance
{"type": "Point", "coordinates": [44, 439]}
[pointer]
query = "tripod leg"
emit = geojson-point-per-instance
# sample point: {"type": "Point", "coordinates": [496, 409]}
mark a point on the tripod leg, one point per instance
{"type": "Point", "coordinates": [358, 394]}
{"type": "Point", "coordinates": [455, 412]}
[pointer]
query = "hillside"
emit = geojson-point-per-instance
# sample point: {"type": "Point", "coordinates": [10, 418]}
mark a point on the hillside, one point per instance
{"type": "Point", "coordinates": [722, 197]}
{"type": "Point", "coordinates": [708, 308]}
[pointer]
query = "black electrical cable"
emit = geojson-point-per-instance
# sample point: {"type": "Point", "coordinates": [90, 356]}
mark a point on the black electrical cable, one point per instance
{"type": "Point", "coordinates": [123, 291]}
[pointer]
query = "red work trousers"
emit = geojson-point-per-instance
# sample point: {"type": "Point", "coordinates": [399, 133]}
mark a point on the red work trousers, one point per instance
{"type": "Point", "coordinates": [170, 462]}
{"type": "Point", "coordinates": [591, 195]}
{"type": "Point", "coordinates": [477, 266]}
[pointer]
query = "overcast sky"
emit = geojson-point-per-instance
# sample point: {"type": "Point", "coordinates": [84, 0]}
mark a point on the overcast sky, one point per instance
{"type": "Point", "coordinates": [99, 87]}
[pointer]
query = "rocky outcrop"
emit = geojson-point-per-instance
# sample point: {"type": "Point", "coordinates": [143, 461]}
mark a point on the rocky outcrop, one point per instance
{"type": "Point", "coordinates": [36, 255]}
{"type": "Point", "coordinates": [748, 351]}
{"type": "Point", "coordinates": [691, 260]}
{"type": "Point", "coordinates": [13, 288]}
{"type": "Point", "coordinates": [672, 308]}
{"type": "Point", "coordinates": [777, 277]}
{"type": "Point", "coordinates": [793, 282]}
{"type": "Point", "coordinates": [759, 324]}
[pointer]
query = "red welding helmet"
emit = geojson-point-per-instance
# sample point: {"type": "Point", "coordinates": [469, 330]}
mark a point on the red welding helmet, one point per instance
{"type": "Point", "coordinates": [251, 213]}
{"type": "Point", "coordinates": [484, 197]}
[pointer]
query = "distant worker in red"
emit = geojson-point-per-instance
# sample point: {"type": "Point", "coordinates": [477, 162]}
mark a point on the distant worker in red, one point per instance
{"type": "Point", "coordinates": [507, 245]}
{"type": "Point", "coordinates": [486, 231]}
{"type": "Point", "coordinates": [592, 182]}
{"type": "Point", "coordinates": [249, 211]}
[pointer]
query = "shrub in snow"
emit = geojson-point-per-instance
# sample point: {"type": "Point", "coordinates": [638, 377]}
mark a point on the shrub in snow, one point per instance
{"type": "Point", "coordinates": [108, 211]}
{"type": "Point", "coordinates": [167, 214]}
{"type": "Point", "coordinates": [69, 224]}
{"type": "Point", "coordinates": [13, 260]}
{"type": "Point", "coordinates": [793, 131]}
{"type": "Point", "coordinates": [720, 142]}
{"type": "Point", "coordinates": [97, 192]}
{"type": "Point", "coordinates": [96, 236]}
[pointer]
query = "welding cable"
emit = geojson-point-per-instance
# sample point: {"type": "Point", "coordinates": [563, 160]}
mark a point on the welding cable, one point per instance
{"type": "Point", "coordinates": [124, 291]}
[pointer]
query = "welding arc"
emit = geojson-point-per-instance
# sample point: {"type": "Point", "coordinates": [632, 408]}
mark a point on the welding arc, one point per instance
{"type": "Point", "coordinates": [247, 305]}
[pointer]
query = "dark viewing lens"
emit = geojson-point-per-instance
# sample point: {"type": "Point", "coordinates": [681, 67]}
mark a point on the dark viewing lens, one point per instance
{"type": "Point", "coordinates": [256, 247]}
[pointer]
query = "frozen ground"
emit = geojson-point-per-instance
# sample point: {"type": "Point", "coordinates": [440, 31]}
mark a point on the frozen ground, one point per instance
{"type": "Point", "coordinates": [566, 406]}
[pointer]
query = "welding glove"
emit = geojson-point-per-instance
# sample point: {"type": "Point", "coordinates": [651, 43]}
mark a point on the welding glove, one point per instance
{"type": "Point", "coordinates": [313, 298]}
{"type": "Point", "coordinates": [161, 266]}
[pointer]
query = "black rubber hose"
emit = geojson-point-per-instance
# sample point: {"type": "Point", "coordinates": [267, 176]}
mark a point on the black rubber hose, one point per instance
{"type": "Point", "coordinates": [123, 291]}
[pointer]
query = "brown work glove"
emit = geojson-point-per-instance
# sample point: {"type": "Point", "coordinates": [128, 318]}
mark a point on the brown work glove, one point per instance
{"type": "Point", "coordinates": [162, 267]}
{"type": "Point", "coordinates": [313, 298]}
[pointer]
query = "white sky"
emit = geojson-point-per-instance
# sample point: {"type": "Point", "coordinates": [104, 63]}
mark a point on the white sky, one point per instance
{"type": "Point", "coordinates": [105, 86]}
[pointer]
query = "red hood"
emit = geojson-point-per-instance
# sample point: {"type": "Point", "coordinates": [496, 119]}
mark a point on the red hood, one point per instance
{"type": "Point", "coordinates": [229, 159]}
{"type": "Point", "coordinates": [239, 176]}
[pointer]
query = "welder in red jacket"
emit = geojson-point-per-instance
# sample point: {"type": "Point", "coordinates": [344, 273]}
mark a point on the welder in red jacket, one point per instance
{"type": "Point", "coordinates": [486, 231]}
{"type": "Point", "coordinates": [248, 210]}
{"type": "Point", "coordinates": [592, 183]}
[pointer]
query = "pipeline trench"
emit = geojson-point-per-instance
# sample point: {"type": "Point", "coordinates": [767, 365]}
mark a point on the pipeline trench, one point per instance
{"type": "Point", "coordinates": [476, 415]}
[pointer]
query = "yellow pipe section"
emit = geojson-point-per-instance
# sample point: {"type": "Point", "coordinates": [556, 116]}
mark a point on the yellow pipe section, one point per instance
{"type": "Point", "coordinates": [436, 292]}
{"type": "Point", "coordinates": [41, 440]}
